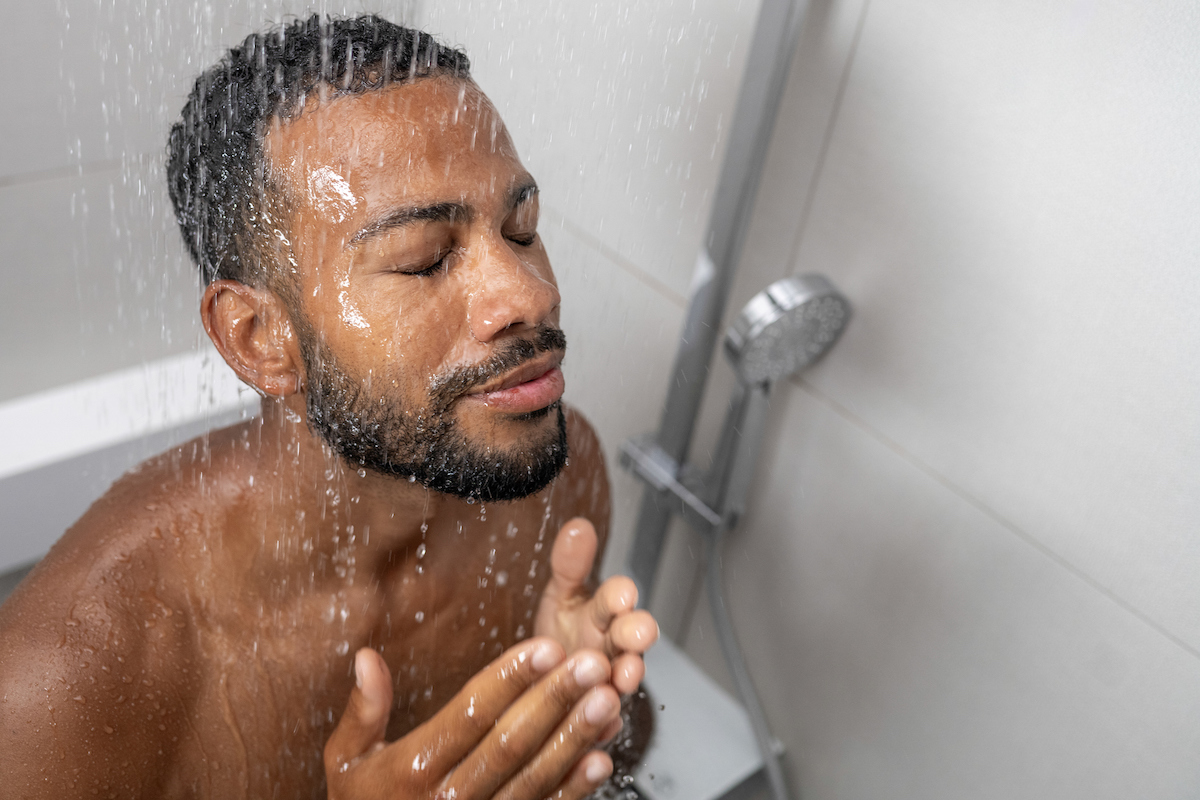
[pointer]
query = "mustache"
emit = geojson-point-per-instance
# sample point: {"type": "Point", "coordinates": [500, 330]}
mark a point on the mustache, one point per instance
{"type": "Point", "coordinates": [445, 389]}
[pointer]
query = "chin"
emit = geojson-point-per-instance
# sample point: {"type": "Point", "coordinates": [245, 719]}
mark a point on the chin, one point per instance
{"type": "Point", "coordinates": [458, 464]}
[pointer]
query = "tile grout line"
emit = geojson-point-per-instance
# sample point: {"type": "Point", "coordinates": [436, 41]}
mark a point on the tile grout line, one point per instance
{"type": "Point", "coordinates": [617, 259]}
{"type": "Point", "coordinates": [846, 414]}
{"type": "Point", "coordinates": [819, 169]}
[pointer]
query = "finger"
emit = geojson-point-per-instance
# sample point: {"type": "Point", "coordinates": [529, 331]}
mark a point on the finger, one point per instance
{"type": "Point", "coordinates": [585, 777]}
{"type": "Point", "coordinates": [632, 633]}
{"type": "Point", "coordinates": [628, 669]}
{"type": "Point", "coordinates": [565, 746]}
{"type": "Point", "coordinates": [473, 712]}
{"type": "Point", "coordinates": [523, 729]}
{"type": "Point", "coordinates": [365, 719]}
{"type": "Point", "coordinates": [610, 733]}
{"type": "Point", "coordinates": [616, 596]}
{"type": "Point", "coordinates": [572, 558]}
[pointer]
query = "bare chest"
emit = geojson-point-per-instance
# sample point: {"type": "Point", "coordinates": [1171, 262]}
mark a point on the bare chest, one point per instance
{"type": "Point", "coordinates": [276, 681]}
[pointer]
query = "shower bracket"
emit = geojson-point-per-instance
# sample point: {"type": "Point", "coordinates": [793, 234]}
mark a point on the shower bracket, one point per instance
{"type": "Point", "coordinates": [680, 485]}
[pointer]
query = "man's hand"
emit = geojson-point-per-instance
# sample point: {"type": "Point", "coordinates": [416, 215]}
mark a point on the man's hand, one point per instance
{"type": "Point", "coordinates": [521, 729]}
{"type": "Point", "coordinates": [607, 621]}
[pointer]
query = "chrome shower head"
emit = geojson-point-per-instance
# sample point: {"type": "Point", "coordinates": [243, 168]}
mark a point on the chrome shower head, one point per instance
{"type": "Point", "coordinates": [786, 327]}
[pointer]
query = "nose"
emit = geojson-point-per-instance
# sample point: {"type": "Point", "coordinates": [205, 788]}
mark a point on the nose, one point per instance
{"type": "Point", "coordinates": [510, 289]}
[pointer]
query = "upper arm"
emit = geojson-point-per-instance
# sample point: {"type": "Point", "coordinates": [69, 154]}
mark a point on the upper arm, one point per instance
{"type": "Point", "coordinates": [79, 708]}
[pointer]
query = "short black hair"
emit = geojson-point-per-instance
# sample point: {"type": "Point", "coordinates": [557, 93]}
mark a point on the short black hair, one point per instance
{"type": "Point", "coordinates": [216, 171]}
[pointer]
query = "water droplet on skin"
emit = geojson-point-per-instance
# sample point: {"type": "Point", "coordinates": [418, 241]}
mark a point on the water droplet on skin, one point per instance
{"type": "Point", "coordinates": [419, 616]}
{"type": "Point", "coordinates": [343, 648]}
{"type": "Point", "coordinates": [421, 550]}
{"type": "Point", "coordinates": [501, 578]}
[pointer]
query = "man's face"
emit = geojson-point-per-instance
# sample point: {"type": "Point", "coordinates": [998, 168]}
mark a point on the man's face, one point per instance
{"type": "Point", "coordinates": [427, 310]}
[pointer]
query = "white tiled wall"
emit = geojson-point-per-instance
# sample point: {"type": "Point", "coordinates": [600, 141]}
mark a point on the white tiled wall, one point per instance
{"type": "Point", "coordinates": [970, 569]}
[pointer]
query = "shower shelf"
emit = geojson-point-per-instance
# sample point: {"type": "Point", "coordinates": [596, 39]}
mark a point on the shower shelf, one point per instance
{"type": "Point", "coordinates": [693, 715]}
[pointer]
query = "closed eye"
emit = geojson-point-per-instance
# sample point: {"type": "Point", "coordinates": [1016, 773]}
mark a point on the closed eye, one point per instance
{"type": "Point", "coordinates": [432, 269]}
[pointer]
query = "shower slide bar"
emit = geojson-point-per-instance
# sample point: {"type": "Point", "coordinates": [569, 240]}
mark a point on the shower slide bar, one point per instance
{"type": "Point", "coordinates": [766, 71]}
{"type": "Point", "coordinates": [712, 503]}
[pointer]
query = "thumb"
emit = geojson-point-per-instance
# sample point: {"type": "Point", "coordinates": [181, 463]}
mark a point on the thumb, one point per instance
{"type": "Point", "coordinates": [572, 558]}
{"type": "Point", "coordinates": [365, 719]}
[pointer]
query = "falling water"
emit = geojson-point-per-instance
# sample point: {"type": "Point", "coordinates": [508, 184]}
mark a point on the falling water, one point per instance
{"type": "Point", "coordinates": [612, 108]}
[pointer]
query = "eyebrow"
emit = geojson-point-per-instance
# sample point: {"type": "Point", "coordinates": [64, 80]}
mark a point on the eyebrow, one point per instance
{"type": "Point", "coordinates": [436, 212]}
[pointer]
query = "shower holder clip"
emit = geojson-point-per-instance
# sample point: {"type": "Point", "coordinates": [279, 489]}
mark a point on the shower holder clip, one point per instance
{"type": "Point", "coordinates": [644, 458]}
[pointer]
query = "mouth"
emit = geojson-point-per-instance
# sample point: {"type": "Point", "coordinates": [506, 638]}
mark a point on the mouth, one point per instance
{"type": "Point", "coordinates": [529, 387]}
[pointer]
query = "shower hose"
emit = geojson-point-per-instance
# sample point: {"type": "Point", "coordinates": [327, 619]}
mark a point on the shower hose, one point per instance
{"type": "Point", "coordinates": [737, 665]}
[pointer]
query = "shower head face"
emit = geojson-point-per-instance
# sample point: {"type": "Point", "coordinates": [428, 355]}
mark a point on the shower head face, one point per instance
{"type": "Point", "coordinates": [785, 328]}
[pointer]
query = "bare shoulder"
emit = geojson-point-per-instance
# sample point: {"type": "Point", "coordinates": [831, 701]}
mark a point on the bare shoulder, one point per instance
{"type": "Point", "coordinates": [96, 646]}
{"type": "Point", "coordinates": [584, 481]}
{"type": "Point", "coordinates": [88, 660]}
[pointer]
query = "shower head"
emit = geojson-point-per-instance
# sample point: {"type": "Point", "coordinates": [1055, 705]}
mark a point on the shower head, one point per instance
{"type": "Point", "coordinates": [786, 327]}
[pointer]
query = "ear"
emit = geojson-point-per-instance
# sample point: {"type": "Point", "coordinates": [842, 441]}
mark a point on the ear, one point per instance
{"type": "Point", "coordinates": [253, 333]}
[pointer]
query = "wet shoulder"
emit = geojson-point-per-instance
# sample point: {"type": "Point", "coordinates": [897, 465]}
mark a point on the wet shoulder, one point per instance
{"type": "Point", "coordinates": [582, 490]}
{"type": "Point", "coordinates": [92, 660]}
{"type": "Point", "coordinates": [98, 644]}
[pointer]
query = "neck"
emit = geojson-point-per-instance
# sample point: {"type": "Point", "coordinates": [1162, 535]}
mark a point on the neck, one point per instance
{"type": "Point", "coordinates": [315, 504]}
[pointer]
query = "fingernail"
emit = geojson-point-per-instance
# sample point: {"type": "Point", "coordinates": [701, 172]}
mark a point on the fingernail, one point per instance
{"type": "Point", "coordinates": [587, 671]}
{"type": "Point", "coordinates": [358, 670]}
{"type": "Point", "coordinates": [545, 656]}
{"type": "Point", "coordinates": [597, 771]}
{"type": "Point", "coordinates": [599, 709]}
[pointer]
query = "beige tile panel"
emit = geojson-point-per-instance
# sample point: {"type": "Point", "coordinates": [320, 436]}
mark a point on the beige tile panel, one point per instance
{"type": "Point", "coordinates": [1010, 198]}
{"type": "Point", "coordinates": [908, 645]}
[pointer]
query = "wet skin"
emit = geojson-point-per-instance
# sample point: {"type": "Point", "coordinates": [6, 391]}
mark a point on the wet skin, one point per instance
{"type": "Point", "coordinates": [250, 616]}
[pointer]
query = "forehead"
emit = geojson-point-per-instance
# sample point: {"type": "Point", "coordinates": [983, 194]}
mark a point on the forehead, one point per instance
{"type": "Point", "coordinates": [410, 140]}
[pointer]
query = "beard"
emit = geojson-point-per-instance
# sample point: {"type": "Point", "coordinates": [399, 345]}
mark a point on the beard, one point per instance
{"type": "Point", "coordinates": [426, 444]}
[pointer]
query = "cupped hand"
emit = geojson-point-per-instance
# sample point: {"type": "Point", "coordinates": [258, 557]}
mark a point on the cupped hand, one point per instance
{"type": "Point", "coordinates": [607, 620]}
{"type": "Point", "coordinates": [521, 729]}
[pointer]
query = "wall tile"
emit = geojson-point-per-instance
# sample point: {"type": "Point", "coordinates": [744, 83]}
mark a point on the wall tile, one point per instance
{"type": "Point", "coordinates": [1010, 200]}
{"type": "Point", "coordinates": [94, 278]}
{"type": "Point", "coordinates": [907, 645]}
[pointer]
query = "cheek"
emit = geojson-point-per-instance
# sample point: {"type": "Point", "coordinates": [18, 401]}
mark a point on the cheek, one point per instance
{"type": "Point", "coordinates": [419, 333]}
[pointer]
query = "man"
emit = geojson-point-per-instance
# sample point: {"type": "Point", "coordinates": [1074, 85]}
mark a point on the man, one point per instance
{"type": "Point", "coordinates": [400, 527]}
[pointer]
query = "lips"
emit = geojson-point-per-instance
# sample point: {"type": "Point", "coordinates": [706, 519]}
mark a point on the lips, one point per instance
{"type": "Point", "coordinates": [530, 387]}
